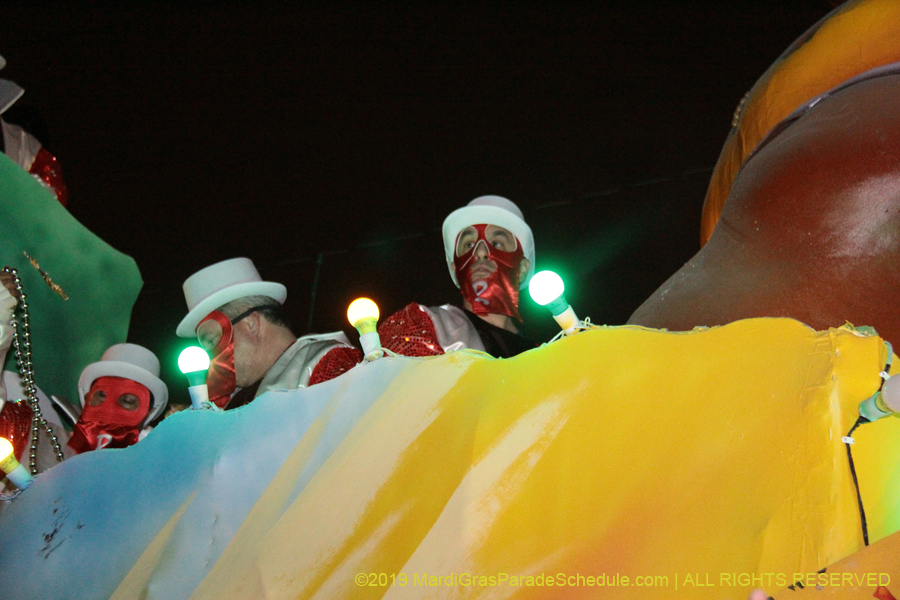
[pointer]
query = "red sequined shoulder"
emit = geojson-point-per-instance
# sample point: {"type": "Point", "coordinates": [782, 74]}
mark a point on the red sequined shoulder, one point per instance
{"type": "Point", "coordinates": [15, 425]}
{"type": "Point", "coordinates": [47, 168]}
{"type": "Point", "coordinates": [410, 332]}
{"type": "Point", "coordinates": [335, 362]}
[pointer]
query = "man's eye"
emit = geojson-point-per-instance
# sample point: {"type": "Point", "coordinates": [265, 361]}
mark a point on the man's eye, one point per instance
{"type": "Point", "coordinates": [129, 402]}
{"type": "Point", "coordinates": [96, 398]}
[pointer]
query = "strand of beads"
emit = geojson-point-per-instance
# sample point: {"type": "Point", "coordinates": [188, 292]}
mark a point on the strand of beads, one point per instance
{"type": "Point", "coordinates": [22, 346]}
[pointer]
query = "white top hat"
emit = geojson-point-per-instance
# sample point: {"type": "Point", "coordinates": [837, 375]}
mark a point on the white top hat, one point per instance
{"type": "Point", "coordinates": [209, 288]}
{"type": "Point", "coordinates": [490, 210]}
{"type": "Point", "coordinates": [128, 361]}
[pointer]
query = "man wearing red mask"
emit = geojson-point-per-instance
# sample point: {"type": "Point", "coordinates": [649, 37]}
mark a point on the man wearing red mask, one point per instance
{"type": "Point", "coordinates": [237, 318]}
{"type": "Point", "coordinates": [119, 395]}
{"type": "Point", "coordinates": [490, 255]}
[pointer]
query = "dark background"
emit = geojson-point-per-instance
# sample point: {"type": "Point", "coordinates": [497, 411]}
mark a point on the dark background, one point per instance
{"type": "Point", "coordinates": [336, 138]}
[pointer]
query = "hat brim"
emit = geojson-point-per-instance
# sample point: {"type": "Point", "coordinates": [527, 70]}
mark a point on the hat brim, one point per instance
{"type": "Point", "coordinates": [114, 368]}
{"type": "Point", "coordinates": [188, 325]}
{"type": "Point", "coordinates": [467, 216]}
{"type": "Point", "coordinates": [9, 93]}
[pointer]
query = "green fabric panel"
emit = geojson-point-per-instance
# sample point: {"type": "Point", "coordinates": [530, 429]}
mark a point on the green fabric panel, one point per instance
{"type": "Point", "coordinates": [102, 284]}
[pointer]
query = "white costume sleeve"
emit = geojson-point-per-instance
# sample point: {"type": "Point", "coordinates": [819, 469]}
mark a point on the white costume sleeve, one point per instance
{"type": "Point", "coordinates": [20, 145]}
{"type": "Point", "coordinates": [293, 369]}
{"type": "Point", "coordinates": [453, 328]}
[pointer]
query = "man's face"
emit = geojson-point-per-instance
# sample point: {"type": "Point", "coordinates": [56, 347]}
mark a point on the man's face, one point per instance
{"type": "Point", "coordinates": [128, 401]}
{"type": "Point", "coordinates": [216, 334]}
{"type": "Point", "coordinates": [119, 396]}
{"type": "Point", "coordinates": [482, 266]}
{"type": "Point", "coordinates": [209, 334]}
{"type": "Point", "coordinates": [242, 356]}
{"type": "Point", "coordinates": [489, 265]}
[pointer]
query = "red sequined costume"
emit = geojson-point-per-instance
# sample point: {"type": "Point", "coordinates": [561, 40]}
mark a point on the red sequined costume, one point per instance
{"type": "Point", "coordinates": [408, 332]}
{"type": "Point", "coordinates": [29, 154]}
{"type": "Point", "coordinates": [418, 330]}
{"type": "Point", "coordinates": [336, 362]}
{"type": "Point", "coordinates": [428, 330]}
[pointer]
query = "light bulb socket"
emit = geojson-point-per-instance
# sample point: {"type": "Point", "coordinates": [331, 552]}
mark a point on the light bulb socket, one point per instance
{"type": "Point", "coordinates": [557, 306]}
{"type": "Point", "coordinates": [196, 377]}
{"type": "Point", "coordinates": [366, 325]}
{"type": "Point", "coordinates": [873, 408]}
{"type": "Point", "coordinates": [567, 319]}
{"type": "Point", "coordinates": [20, 477]}
{"type": "Point", "coordinates": [9, 463]}
{"type": "Point", "coordinates": [199, 396]}
{"type": "Point", "coordinates": [371, 343]}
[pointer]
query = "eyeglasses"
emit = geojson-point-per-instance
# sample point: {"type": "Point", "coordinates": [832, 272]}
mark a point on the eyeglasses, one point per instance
{"type": "Point", "coordinates": [249, 312]}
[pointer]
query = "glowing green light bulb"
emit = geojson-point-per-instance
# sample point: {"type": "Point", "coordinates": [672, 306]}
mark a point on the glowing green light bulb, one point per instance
{"type": "Point", "coordinates": [194, 363]}
{"type": "Point", "coordinates": [546, 288]}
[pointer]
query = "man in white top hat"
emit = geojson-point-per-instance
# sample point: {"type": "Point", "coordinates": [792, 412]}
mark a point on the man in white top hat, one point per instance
{"type": "Point", "coordinates": [119, 396]}
{"type": "Point", "coordinates": [490, 254]}
{"type": "Point", "coordinates": [237, 318]}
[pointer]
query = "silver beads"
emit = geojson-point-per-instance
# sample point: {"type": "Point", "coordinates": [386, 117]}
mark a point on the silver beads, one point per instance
{"type": "Point", "coordinates": [22, 346]}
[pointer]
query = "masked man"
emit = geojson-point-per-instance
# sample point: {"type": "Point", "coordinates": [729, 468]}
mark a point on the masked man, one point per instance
{"type": "Point", "coordinates": [237, 318]}
{"type": "Point", "coordinates": [119, 396]}
{"type": "Point", "coordinates": [490, 255]}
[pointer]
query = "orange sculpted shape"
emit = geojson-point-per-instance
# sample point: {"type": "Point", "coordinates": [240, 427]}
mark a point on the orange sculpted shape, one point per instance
{"type": "Point", "coordinates": [855, 38]}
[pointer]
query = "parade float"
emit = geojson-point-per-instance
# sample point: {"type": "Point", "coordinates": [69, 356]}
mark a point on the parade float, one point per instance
{"type": "Point", "coordinates": [739, 434]}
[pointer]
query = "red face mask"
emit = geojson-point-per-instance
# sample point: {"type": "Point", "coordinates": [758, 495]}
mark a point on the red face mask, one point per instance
{"type": "Point", "coordinates": [113, 410]}
{"type": "Point", "coordinates": [498, 292]}
{"type": "Point", "coordinates": [216, 335]}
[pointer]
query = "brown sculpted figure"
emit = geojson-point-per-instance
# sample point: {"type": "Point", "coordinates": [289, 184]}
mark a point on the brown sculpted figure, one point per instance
{"type": "Point", "coordinates": [811, 228]}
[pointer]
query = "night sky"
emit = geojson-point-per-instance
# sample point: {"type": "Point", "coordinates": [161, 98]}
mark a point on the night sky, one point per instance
{"type": "Point", "coordinates": [337, 137]}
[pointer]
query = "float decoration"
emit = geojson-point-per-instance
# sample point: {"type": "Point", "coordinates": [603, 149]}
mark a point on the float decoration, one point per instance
{"type": "Point", "coordinates": [56, 256]}
{"type": "Point", "coordinates": [618, 452]}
